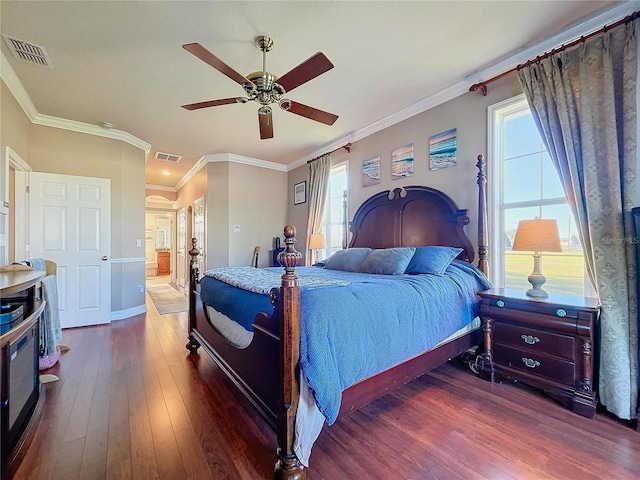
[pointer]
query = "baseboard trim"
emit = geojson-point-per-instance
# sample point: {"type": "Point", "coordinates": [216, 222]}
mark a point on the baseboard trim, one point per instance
{"type": "Point", "coordinates": [130, 312]}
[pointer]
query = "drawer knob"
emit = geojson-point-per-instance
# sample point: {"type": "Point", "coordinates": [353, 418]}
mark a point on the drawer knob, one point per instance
{"type": "Point", "coordinates": [530, 362]}
{"type": "Point", "coordinates": [561, 312]}
{"type": "Point", "coordinates": [500, 303]}
{"type": "Point", "coordinates": [530, 339]}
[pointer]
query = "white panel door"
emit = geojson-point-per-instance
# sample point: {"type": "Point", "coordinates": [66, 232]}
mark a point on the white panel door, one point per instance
{"type": "Point", "coordinates": [70, 224]}
{"type": "Point", "coordinates": [182, 250]}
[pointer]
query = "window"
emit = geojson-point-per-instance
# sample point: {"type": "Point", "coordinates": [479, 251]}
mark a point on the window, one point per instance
{"type": "Point", "coordinates": [333, 220]}
{"type": "Point", "coordinates": [525, 185]}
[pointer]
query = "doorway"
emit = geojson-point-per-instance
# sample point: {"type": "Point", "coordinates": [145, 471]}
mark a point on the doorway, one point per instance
{"type": "Point", "coordinates": [160, 250]}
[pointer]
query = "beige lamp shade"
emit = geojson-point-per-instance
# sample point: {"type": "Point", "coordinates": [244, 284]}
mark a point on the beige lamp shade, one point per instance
{"type": "Point", "coordinates": [538, 235]}
{"type": "Point", "coordinates": [317, 241]}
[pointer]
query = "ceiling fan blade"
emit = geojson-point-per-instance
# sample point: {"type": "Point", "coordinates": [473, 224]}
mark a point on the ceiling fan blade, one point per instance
{"type": "Point", "coordinates": [307, 70]}
{"type": "Point", "coordinates": [211, 103]}
{"type": "Point", "coordinates": [312, 113]}
{"type": "Point", "coordinates": [266, 125]}
{"type": "Point", "coordinates": [208, 57]}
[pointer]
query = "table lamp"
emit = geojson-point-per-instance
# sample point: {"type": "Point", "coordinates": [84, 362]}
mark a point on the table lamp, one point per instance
{"type": "Point", "coordinates": [316, 242]}
{"type": "Point", "coordinates": [537, 236]}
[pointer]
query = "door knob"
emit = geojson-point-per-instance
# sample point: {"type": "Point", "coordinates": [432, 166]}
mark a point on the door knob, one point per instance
{"type": "Point", "coordinates": [104, 258]}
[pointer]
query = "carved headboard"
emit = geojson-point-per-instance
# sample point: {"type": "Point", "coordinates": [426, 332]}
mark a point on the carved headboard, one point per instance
{"type": "Point", "coordinates": [411, 216]}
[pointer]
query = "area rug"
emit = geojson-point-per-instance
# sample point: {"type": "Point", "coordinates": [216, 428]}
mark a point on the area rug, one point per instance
{"type": "Point", "coordinates": [167, 299]}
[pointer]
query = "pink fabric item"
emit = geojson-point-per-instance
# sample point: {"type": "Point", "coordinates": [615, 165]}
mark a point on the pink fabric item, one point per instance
{"type": "Point", "coordinates": [49, 361]}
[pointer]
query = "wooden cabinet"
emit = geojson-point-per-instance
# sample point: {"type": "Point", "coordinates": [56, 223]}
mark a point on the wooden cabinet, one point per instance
{"type": "Point", "coordinates": [547, 343]}
{"type": "Point", "coordinates": [164, 262]}
{"type": "Point", "coordinates": [21, 393]}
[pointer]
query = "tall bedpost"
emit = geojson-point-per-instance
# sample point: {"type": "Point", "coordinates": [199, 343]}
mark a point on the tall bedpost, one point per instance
{"type": "Point", "coordinates": [345, 221]}
{"type": "Point", "coordinates": [288, 466]}
{"type": "Point", "coordinates": [483, 235]}
{"type": "Point", "coordinates": [194, 273]}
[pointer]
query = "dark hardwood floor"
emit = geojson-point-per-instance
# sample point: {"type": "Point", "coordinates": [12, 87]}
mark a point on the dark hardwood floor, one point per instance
{"type": "Point", "coordinates": [132, 403]}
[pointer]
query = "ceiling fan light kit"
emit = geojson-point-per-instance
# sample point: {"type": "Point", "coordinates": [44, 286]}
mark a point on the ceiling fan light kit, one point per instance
{"type": "Point", "coordinates": [266, 88]}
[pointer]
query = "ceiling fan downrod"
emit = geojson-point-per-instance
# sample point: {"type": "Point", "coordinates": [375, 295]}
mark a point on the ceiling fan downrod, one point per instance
{"type": "Point", "coordinates": [262, 86]}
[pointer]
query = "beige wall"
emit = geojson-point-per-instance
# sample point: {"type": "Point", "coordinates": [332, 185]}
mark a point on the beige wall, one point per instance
{"type": "Point", "coordinates": [54, 150]}
{"type": "Point", "coordinates": [299, 214]}
{"type": "Point", "coordinates": [257, 202]}
{"type": "Point", "coordinates": [467, 113]}
{"type": "Point", "coordinates": [14, 132]}
{"type": "Point", "coordinates": [237, 194]}
{"type": "Point", "coordinates": [217, 215]}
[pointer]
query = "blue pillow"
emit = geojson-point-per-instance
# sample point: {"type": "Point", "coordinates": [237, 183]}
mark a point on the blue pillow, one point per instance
{"type": "Point", "coordinates": [433, 259]}
{"type": "Point", "coordinates": [388, 261]}
{"type": "Point", "coordinates": [347, 260]}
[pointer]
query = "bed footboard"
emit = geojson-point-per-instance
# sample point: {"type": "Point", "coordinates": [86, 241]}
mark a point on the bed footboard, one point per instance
{"type": "Point", "coordinates": [277, 405]}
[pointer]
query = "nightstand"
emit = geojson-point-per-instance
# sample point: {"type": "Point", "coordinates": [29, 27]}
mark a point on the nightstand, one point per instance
{"type": "Point", "coordinates": [546, 343]}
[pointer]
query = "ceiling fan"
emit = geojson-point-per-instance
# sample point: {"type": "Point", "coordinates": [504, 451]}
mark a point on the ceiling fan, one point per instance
{"type": "Point", "coordinates": [266, 88]}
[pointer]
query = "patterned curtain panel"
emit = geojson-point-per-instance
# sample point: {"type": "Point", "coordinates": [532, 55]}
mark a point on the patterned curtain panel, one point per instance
{"type": "Point", "coordinates": [318, 184]}
{"type": "Point", "coordinates": [584, 103]}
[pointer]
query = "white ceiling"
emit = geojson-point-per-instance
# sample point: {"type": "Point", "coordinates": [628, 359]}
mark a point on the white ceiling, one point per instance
{"type": "Point", "coordinates": [122, 62]}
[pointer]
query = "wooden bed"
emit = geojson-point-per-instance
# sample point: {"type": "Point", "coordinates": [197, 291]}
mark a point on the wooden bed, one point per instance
{"type": "Point", "coordinates": [409, 216]}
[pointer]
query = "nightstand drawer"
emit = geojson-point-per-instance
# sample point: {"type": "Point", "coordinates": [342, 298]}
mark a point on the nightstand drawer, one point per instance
{"type": "Point", "coordinates": [534, 340]}
{"type": "Point", "coordinates": [497, 305]}
{"type": "Point", "coordinates": [556, 369]}
{"type": "Point", "coordinates": [540, 319]}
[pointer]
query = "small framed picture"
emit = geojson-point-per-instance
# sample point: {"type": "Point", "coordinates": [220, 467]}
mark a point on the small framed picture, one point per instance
{"type": "Point", "coordinates": [300, 193]}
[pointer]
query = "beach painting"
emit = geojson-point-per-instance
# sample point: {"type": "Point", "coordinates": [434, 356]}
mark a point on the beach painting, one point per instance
{"type": "Point", "coordinates": [402, 162]}
{"type": "Point", "coordinates": [371, 171]}
{"type": "Point", "coordinates": [443, 150]}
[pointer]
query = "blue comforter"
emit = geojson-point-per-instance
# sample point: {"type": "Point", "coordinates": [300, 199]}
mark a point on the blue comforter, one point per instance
{"type": "Point", "coordinates": [349, 333]}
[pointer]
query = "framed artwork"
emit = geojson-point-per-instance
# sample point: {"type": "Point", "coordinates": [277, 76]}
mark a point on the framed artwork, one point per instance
{"type": "Point", "coordinates": [300, 193]}
{"type": "Point", "coordinates": [371, 171]}
{"type": "Point", "coordinates": [443, 150]}
{"type": "Point", "coordinates": [402, 162]}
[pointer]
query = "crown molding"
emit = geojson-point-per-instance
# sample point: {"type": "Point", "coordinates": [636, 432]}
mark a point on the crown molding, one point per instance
{"type": "Point", "coordinates": [8, 74]}
{"type": "Point", "coordinates": [231, 158]}
{"type": "Point", "coordinates": [162, 188]}
{"type": "Point", "coordinates": [13, 83]}
{"type": "Point", "coordinates": [80, 127]}
{"type": "Point", "coordinates": [568, 35]}
{"type": "Point", "coordinates": [192, 171]}
{"type": "Point", "coordinates": [256, 162]}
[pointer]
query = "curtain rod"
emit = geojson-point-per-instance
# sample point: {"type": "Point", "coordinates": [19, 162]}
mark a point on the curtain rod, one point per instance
{"type": "Point", "coordinates": [482, 86]}
{"type": "Point", "coordinates": [347, 147]}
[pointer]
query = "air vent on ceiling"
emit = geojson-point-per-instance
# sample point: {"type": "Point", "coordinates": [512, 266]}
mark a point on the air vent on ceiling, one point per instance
{"type": "Point", "coordinates": [28, 52]}
{"type": "Point", "coordinates": [168, 157]}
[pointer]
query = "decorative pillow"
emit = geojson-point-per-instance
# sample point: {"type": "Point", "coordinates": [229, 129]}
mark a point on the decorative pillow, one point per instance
{"type": "Point", "coordinates": [348, 260]}
{"type": "Point", "coordinates": [388, 261]}
{"type": "Point", "coordinates": [432, 259]}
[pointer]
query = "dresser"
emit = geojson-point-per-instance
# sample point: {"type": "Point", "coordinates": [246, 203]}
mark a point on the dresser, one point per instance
{"type": "Point", "coordinates": [546, 343]}
{"type": "Point", "coordinates": [21, 393]}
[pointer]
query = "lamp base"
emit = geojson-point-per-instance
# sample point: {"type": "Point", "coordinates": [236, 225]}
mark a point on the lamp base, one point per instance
{"type": "Point", "coordinates": [537, 293]}
{"type": "Point", "coordinates": [537, 279]}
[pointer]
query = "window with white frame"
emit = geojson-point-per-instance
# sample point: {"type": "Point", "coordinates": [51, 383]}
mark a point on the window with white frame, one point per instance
{"type": "Point", "coordinates": [333, 219]}
{"type": "Point", "coordinates": [524, 185]}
